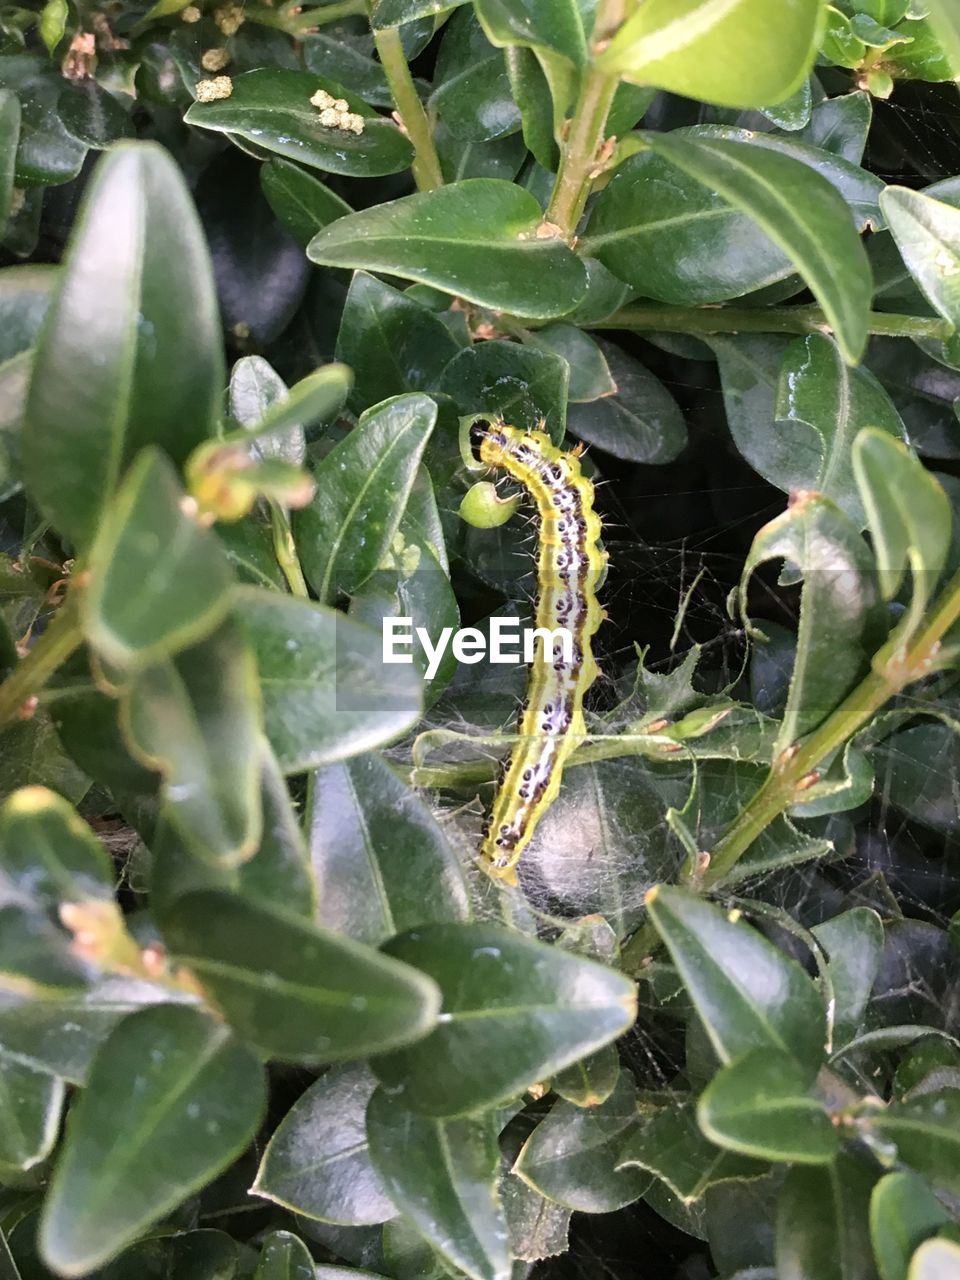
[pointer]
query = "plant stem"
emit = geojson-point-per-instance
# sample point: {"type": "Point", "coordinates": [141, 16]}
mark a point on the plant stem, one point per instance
{"type": "Point", "coordinates": [426, 163]}
{"type": "Point", "coordinates": [581, 150]}
{"type": "Point", "coordinates": [298, 23]}
{"type": "Point", "coordinates": [62, 636]}
{"type": "Point", "coordinates": [706, 320]}
{"type": "Point", "coordinates": [285, 550]}
{"type": "Point", "coordinates": [893, 671]}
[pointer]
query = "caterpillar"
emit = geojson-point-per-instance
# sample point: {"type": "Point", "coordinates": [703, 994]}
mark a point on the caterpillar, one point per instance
{"type": "Point", "coordinates": [570, 565]}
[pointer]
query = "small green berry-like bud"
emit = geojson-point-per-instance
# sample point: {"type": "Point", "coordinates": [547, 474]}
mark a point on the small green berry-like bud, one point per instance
{"type": "Point", "coordinates": [482, 508]}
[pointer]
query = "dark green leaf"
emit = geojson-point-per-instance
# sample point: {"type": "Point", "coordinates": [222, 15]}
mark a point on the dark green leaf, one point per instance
{"type": "Point", "coordinates": [172, 1099]}
{"type": "Point", "coordinates": [477, 238]}
{"type": "Point", "coordinates": [748, 994]}
{"type": "Point", "coordinates": [573, 1156]}
{"type": "Point", "coordinates": [93, 115]}
{"type": "Point", "coordinates": [196, 719]}
{"type": "Point", "coordinates": [759, 1105]}
{"type": "Point", "coordinates": [326, 692]}
{"type": "Point", "coordinates": [391, 343]}
{"type": "Point", "coordinates": [102, 387]}
{"type": "Point", "coordinates": [853, 941]}
{"type": "Point", "coordinates": [9, 133]}
{"type": "Point", "coordinates": [301, 201]}
{"type": "Point", "coordinates": [383, 864]}
{"type": "Point", "coordinates": [298, 991]}
{"type": "Point", "coordinates": [443, 1175]}
{"type": "Point", "coordinates": [46, 154]}
{"type": "Point", "coordinates": [285, 1257]}
{"type": "Point", "coordinates": [590, 376]}
{"type": "Point", "coordinates": [514, 1012]}
{"type": "Point", "coordinates": [640, 421]}
{"type": "Point", "coordinates": [538, 24]}
{"type": "Point", "coordinates": [822, 1222]}
{"type": "Point", "coordinates": [723, 52]}
{"type": "Point", "coordinates": [48, 854]}
{"type": "Point", "coordinates": [317, 1162]}
{"type": "Point", "coordinates": [591, 1080]}
{"type": "Point", "coordinates": [471, 90]}
{"type": "Point", "coordinates": [927, 233]}
{"type": "Point", "coordinates": [140, 605]}
{"type": "Point", "coordinates": [926, 1134]}
{"type": "Point", "coordinates": [271, 108]}
{"type": "Point", "coordinates": [903, 1213]}
{"type": "Point", "coordinates": [30, 1106]}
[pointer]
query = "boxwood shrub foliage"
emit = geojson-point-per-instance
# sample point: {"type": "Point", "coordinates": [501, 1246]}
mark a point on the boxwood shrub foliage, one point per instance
{"type": "Point", "coordinates": [260, 1013]}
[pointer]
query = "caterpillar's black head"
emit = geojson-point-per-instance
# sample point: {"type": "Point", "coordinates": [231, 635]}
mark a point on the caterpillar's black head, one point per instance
{"type": "Point", "coordinates": [479, 429]}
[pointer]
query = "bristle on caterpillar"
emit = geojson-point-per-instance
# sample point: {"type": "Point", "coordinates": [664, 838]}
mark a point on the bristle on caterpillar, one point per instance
{"type": "Point", "coordinates": [570, 564]}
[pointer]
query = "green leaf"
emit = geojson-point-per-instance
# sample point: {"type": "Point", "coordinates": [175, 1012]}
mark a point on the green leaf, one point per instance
{"type": "Point", "coordinates": [839, 617]}
{"type": "Point", "coordinates": [514, 1012]}
{"type": "Point", "coordinates": [590, 376]}
{"type": "Point", "coordinates": [159, 581]}
{"type": "Point", "coordinates": [296, 990]}
{"type": "Point", "coordinates": [52, 23]}
{"type": "Point", "coordinates": [927, 233]}
{"type": "Point", "coordinates": [284, 1256]}
{"type": "Point", "coordinates": [728, 52]}
{"type": "Point", "coordinates": [317, 1162]}
{"type": "Point", "coordinates": [30, 1106]}
{"type": "Point", "coordinates": [173, 1098]}
{"type": "Point", "coordinates": [48, 854]}
{"type": "Point", "coordinates": [537, 24]}
{"type": "Point", "coordinates": [476, 238]}
{"type": "Point", "coordinates": [909, 516]}
{"type": "Point", "coordinates": [935, 1260]}
{"type": "Point", "coordinates": [271, 108]}
{"type": "Point", "coordinates": [925, 1132]}
{"type": "Point", "coordinates": [9, 134]}
{"type": "Point", "coordinates": [853, 941]}
{"type": "Point", "coordinates": [818, 391]}
{"type": "Point", "coordinates": [521, 385]}
{"type": "Point", "coordinates": [801, 213]}
{"type": "Point", "coordinates": [747, 992]}
{"type": "Point", "coordinates": [46, 153]}
{"type": "Point", "coordinates": [573, 1157]}
{"type": "Point", "coordinates": [383, 863]}
{"type": "Point", "coordinates": [362, 489]}
{"type": "Point", "coordinates": [591, 1080]}
{"type": "Point", "coordinates": [443, 1175]}
{"type": "Point", "coordinates": [759, 1105]}
{"type": "Point", "coordinates": [196, 719]}
{"type": "Point", "coordinates": [276, 417]}
{"type": "Point", "coordinates": [301, 201]}
{"type": "Point", "coordinates": [392, 343]}
{"type": "Point", "coordinates": [945, 21]}
{"type": "Point", "coordinates": [531, 92]}
{"type": "Point", "coordinates": [903, 1213]}
{"type": "Point", "coordinates": [639, 422]}
{"type": "Point", "coordinates": [103, 388]}
{"type": "Point", "coordinates": [93, 115]}
{"type": "Point", "coordinates": [924, 57]}
{"type": "Point", "coordinates": [822, 1222]}
{"type": "Point", "coordinates": [326, 692]}
{"type": "Point", "coordinates": [471, 90]}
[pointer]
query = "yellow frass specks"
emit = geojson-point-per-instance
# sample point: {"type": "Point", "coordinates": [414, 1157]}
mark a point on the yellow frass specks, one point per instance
{"type": "Point", "coordinates": [214, 90]}
{"type": "Point", "coordinates": [335, 113]}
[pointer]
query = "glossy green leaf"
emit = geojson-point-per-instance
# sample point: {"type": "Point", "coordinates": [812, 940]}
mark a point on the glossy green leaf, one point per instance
{"type": "Point", "coordinates": [538, 24]}
{"type": "Point", "coordinates": [301, 201]}
{"type": "Point", "coordinates": [945, 21]}
{"type": "Point", "coordinates": [919, 54]}
{"type": "Point", "coordinates": [476, 238]}
{"type": "Point", "coordinates": [822, 1222]}
{"type": "Point", "coordinates": [531, 92]}
{"type": "Point", "coordinates": [759, 1105]}
{"type": "Point", "coordinates": [935, 1260]}
{"type": "Point", "coordinates": [853, 941]}
{"type": "Point", "coordinates": [511, 1016]}
{"type": "Point", "coordinates": [196, 719]}
{"type": "Point", "coordinates": [362, 488]}
{"type": "Point", "coordinates": [524, 386]}
{"type": "Point", "coordinates": [172, 1099]}
{"type": "Point", "coordinates": [93, 115]}
{"type": "Point", "coordinates": [590, 376]}
{"type": "Point", "coordinates": [747, 992]}
{"type": "Point", "coordinates": [48, 854]}
{"type": "Point", "coordinates": [46, 153]}
{"type": "Point", "coordinates": [443, 1175]}
{"type": "Point", "coordinates": [317, 1162]}
{"type": "Point", "coordinates": [102, 387]}
{"type": "Point", "coordinates": [271, 108]}
{"type": "Point", "coordinates": [908, 513]}
{"type": "Point", "coordinates": [840, 125]}
{"type": "Point", "coordinates": [903, 1213]}
{"type": "Point", "coordinates": [839, 618]}
{"type": "Point", "coordinates": [36, 958]}
{"type": "Point", "coordinates": [9, 134]}
{"type": "Point", "coordinates": [926, 1134]}
{"type": "Point", "coordinates": [669, 1143]}
{"type": "Point", "coordinates": [30, 1106]}
{"type": "Point", "coordinates": [296, 990]}
{"type": "Point", "coordinates": [142, 605]}
{"type": "Point", "coordinates": [801, 213]}
{"type": "Point", "coordinates": [392, 343]}
{"type": "Point", "coordinates": [927, 233]}
{"type": "Point", "coordinates": [284, 1256]}
{"type": "Point", "coordinates": [639, 422]}
{"type": "Point", "coordinates": [471, 89]}
{"type": "Point", "coordinates": [573, 1155]}
{"type": "Point", "coordinates": [724, 51]}
{"type": "Point", "coordinates": [326, 692]}
{"type": "Point", "coordinates": [819, 391]}
{"type": "Point", "coordinates": [590, 1081]}
{"type": "Point", "coordinates": [53, 23]}
{"type": "Point", "coordinates": [383, 863]}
